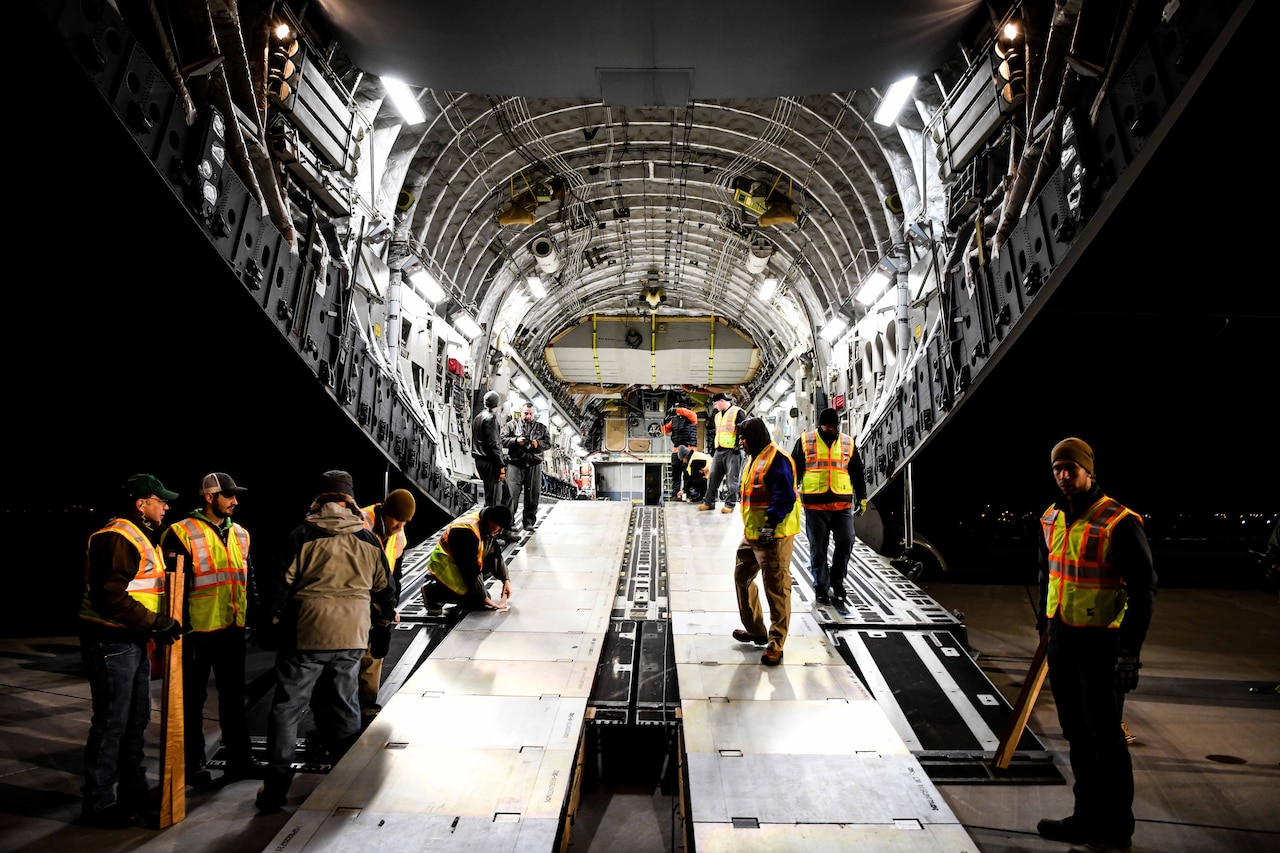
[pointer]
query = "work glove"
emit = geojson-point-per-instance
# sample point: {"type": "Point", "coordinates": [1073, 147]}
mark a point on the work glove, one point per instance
{"type": "Point", "coordinates": [166, 629]}
{"type": "Point", "coordinates": [502, 473]}
{"type": "Point", "coordinates": [765, 536]}
{"type": "Point", "coordinates": [1127, 666]}
{"type": "Point", "coordinates": [379, 641]}
{"type": "Point", "coordinates": [860, 506]}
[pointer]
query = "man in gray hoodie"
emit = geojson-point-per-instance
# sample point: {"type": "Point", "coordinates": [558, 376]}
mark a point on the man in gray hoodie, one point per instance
{"type": "Point", "coordinates": [332, 582]}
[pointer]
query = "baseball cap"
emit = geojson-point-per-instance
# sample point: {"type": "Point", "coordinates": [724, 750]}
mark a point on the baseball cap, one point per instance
{"type": "Point", "coordinates": [146, 485]}
{"type": "Point", "coordinates": [217, 482]}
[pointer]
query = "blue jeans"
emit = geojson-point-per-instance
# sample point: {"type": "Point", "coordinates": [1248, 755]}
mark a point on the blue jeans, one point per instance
{"type": "Point", "coordinates": [821, 526]}
{"type": "Point", "coordinates": [120, 683]}
{"type": "Point", "coordinates": [333, 675]}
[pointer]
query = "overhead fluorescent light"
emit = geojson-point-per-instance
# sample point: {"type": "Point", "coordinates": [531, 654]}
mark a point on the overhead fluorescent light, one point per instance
{"type": "Point", "coordinates": [768, 287]}
{"type": "Point", "coordinates": [539, 401]}
{"type": "Point", "coordinates": [427, 286]}
{"type": "Point", "coordinates": [557, 421]}
{"type": "Point", "coordinates": [467, 326]}
{"type": "Point", "coordinates": [522, 383]}
{"type": "Point", "coordinates": [892, 102]}
{"type": "Point", "coordinates": [782, 386]}
{"type": "Point", "coordinates": [835, 326]}
{"type": "Point", "coordinates": [766, 405]}
{"type": "Point", "coordinates": [536, 288]}
{"type": "Point", "coordinates": [403, 99]}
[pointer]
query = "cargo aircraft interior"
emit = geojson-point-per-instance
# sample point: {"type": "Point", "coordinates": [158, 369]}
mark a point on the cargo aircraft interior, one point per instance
{"type": "Point", "coordinates": [608, 210]}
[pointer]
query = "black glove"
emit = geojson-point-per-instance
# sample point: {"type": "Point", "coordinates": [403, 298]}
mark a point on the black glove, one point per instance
{"type": "Point", "coordinates": [166, 629]}
{"type": "Point", "coordinates": [379, 641]}
{"type": "Point", "coordinates": [765, 536]}
{"type": "Point", "coordinates": [1127, 666]}
{"type": "Point", "coordinates": [267, 636]}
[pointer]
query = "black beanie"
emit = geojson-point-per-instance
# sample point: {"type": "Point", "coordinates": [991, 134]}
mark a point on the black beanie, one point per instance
{"type": "Point", "coordinates": [829, 416]}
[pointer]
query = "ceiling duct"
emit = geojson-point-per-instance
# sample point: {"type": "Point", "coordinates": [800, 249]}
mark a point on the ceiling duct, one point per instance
{"type": "Point", "coordinates": [544, 252]}
{"type": "Point", "coordinates": [758, 256]}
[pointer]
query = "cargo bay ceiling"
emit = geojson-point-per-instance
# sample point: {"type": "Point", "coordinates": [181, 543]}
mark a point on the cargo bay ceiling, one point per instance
{"type": "Point", "coordinates": [649, 163]}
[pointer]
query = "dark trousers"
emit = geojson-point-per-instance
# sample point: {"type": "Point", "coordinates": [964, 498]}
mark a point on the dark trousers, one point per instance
{"type": "Point", "coordinates": [222, 653]}
{"type": "Point", "coordinates": [525, 481]}
{"type": "Point", "coordinates": [120, 686]}
{"type": "Point", "coordinates": [726, 467]}
{"type": "Point", "coordinates": [489, 476]}
{"type": "Point", "coordinates": [1082, 664]}
{"type": "Point", "coordinates": [821, 526]}
{"type": "Point", "coordinates": [325, 682]}
{"type": "Point", "coordinates": [677, 471]}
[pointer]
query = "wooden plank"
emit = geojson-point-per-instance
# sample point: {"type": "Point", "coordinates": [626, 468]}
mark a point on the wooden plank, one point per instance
{"type": "Point", "coordinates": [173, 772]}
{"type": "Point", "coordinates": [1022, 708]}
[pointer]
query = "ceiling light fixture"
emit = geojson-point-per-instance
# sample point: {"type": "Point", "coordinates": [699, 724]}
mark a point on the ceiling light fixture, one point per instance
{"type": "Point", "coordinates": [875, 284]}
{"type": "Point", "coordinates": [405, 102]}
{"type": "Point", "coordinates": [522, 383]}
{"type": "Point", "coordinates": [893, 101]}
{"type": "Point", "coordinates": [427, 286]}
{"type": "Point", "coordinates": [467, 326]}
{"type": "Point", "coordinates": [535, 287]}
{"type": "Point", "coordinates": [834, 328]}
{"type": "Point", "coordinates": [768, 288]}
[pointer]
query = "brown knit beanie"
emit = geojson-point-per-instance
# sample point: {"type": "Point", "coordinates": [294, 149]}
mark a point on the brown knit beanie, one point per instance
{"type": "Point", "coordinates": [399, 505]}
{"type": "Point", "coordinates": [1073, 450]}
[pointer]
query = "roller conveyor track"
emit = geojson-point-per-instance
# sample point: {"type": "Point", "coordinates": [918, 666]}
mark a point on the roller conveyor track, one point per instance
{"type": "Point", "coordinates": [620, 623]}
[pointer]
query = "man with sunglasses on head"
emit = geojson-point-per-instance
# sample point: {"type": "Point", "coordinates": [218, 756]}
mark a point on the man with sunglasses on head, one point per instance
{"type": "Point", "coordinates": [219, 594]}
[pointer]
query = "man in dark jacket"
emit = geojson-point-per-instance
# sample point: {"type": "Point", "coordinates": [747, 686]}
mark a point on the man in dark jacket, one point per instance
{"type": "Point", "coordinates": [486, 448]}
{"type": "Point", "coordinates": [465, 551]}
{"type": "Point", "coordinates": [1097, 590]}
{"type": "Point", "coordinates": [332, 582]}
{"type": "Point", "coordinates": [681, 424]}
{"type": "Point", "coordinates": [770, 521]}
{"type": "Point", "coordinates": [122, 608]}
{"type": "Point", "coordinates": [833, 489]}
{"type": "Point", "coordinates": [525, 440]}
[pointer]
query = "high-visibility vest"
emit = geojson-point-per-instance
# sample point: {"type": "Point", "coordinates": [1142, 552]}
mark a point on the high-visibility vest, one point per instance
{"type": "Point", "coordinates": [755, 497]}
{"type": "Point", "coordinates": [826, 484]}
{"type": "Point", "coordinates": [727, 427]}
{"type": "Point", "coordinates": [441, 563]}
{"type": "Point", "coordinates": [696, 456]}
{"type": "Point", "coordinates": [394, 546]}
{"type": "Point", "coordinates": [147, 585]}
{"type": "Point", "coordinates": [1084, 587]}
{"type": "Point", "coordinates": [217, 595]}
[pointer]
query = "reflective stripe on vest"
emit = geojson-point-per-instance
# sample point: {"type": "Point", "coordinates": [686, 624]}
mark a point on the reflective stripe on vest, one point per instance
{"type": "Point", "coordinates": [727, 427]}
{"type": "Point", "coordinates": [826, 484]}
{"type": "Point", "coordinates": [393, 547]}
{"type": "Point", "coordinates": [441, 563]}
{"type": "Point", "coordinates": [217, 595]}
{"type": "Point", "coordinates": [147, 585]}
{"type": "Point", "coordinates": [755, 497]}
{"type": "Point", "coordinates": [1084, 587]}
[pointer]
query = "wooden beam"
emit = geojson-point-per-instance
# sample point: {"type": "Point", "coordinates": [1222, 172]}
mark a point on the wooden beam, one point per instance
{"type": "Point", "coordinates": [1022, 708]}
{"type": "Point", "coordinates": [173, 771]}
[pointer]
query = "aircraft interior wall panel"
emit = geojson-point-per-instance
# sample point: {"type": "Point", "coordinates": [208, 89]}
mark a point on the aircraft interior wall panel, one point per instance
{"type": "Point", "coordinates": [1045, 215]}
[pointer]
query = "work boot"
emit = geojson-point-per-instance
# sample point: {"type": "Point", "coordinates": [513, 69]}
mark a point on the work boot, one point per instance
{"type": "Point", "coordinates": [1070, 829]}
{"type": "Point", "coordinates": [1121, 846]}
{"type": "Point", "coordinates": [744, 637]}
{"type": "Point", "coordinates": [113, 816]}
{"type": "Point", "coordinates": [821, 596]}
{"type": "Point", "coordinates": [771, 656]}
{"type": "Point", "coordinates": [726, 509]}
{"type": "Point", "coordinates": [705, 508]}
{"type": "Point", "coordinates": [273, 794]}
{"type": "Point", "coordinates": [198, 776]}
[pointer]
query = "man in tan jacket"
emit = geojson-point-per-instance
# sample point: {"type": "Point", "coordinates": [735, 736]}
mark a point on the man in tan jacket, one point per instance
{"type": "Point", "coordinates": [332, 582]}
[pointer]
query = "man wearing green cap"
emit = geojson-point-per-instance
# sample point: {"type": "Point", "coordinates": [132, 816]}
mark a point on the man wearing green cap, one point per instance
{"type": "Point", "coordinates": [122, 608]}
{"type": "Point", "coordinates": [1097, 587]}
